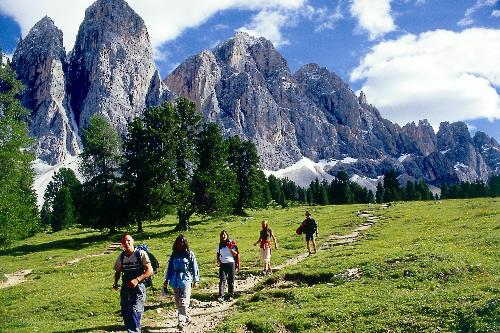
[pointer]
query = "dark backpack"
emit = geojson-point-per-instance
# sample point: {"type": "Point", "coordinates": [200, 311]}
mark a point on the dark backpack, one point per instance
{"type": "Point", "coordinates": [148, 282]}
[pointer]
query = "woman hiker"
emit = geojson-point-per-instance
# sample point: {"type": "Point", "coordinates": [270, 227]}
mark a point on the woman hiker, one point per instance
{"type": "Point", "coordinates": [182, 271]}
{"type": "Point", "coordinates": [226, 253]}
{"type": "Point", "coordinates": [266, 234]}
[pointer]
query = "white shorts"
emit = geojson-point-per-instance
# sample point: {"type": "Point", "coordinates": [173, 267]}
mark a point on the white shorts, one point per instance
{"type": "Point", "coordinates": [266, 254]}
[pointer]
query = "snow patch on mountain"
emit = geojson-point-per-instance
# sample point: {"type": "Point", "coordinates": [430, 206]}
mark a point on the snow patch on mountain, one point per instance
{"type": "Point", "coordinates": [45, 172]}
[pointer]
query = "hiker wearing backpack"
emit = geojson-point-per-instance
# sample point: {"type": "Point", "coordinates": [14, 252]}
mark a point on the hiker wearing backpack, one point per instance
{"type": "Point", "coordinates": [227, 259]}
{"type": "Point", "coordinates": [265, 236]}
{"type": "Point", "coordinates": [134, 267]}
{"type": "Point", "coordinates": [182, 271]}
{"type": "Point", "coordinates": [310, 228]}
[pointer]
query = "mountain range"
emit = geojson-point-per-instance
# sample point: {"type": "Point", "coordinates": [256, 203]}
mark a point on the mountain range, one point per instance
{"type": "Point", "coordinates": [245, 85]}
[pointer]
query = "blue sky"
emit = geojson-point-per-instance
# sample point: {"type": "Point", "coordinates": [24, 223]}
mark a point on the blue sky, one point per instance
{"type": "Point", "coordinates": [414, 59]}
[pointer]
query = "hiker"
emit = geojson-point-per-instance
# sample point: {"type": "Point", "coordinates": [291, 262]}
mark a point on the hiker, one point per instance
{"type": "Point", "coordinates": [266, 234]}
{"type": "Point", "coordinates": [134, 267]}
{"type": "Point", "coordinates": [226, 253]}
{"type": "Point", "coordinates": [182, 271]}
{"type": "Point", "coordinates": [310, 229]}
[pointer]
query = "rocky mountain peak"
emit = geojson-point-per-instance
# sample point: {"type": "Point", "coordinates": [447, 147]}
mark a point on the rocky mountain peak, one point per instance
{"type": "Point", "coordinates": [40, 63]}
{"type": "Point", "coordinates": [111, 66]}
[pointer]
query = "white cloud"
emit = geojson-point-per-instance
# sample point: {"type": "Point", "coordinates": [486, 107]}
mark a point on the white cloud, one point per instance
{"type": "Point", "coordinates": [268, 24]}
{"type": "Point", "coordinates": [495, 13]}
{"type": "Point", "coordinates": [329, 21]}
{"type": "Point", "coordinates": [374, 16]}
{"type": "Point", "coordinates": [439, 75]}
{"type": "Point", "coordinates": [165, 20]}
{"type": "Point", "coordinates": [467, 19]}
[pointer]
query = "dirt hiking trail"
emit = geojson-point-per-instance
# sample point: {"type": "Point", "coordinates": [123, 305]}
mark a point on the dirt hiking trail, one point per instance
{"type": "Point", "coordinates": [206, 315]}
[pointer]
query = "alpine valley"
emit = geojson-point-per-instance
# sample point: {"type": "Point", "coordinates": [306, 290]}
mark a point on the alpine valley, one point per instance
{"type": "Point", "coordinates": [305, 125]}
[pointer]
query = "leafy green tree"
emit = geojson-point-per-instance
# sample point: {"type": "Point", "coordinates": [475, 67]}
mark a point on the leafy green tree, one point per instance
{"type": "Point", "coordinates": [101, 198]}
{"type": "Point", "coordinates": [214, 184]}
{"type": "Point", "coordinates": [18, 211]}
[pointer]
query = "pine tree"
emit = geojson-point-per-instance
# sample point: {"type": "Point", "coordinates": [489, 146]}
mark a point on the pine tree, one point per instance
{"type": "Point", "coordinates": [18, 211]}
{"type": "Point", "coordinates": [392, 191]}
{"type": "Point", "coordinates": [244, 160]}
{"type": "Point", "coordinates": [379, 195]}
{"type": "Point", "coordinates": [63, 212]}
{"type": "Point", "coordinates": [101, 198]}
{"type": "Point", "coordinates": [494, 186]}
{"type": "Point", "coordinates": [214, 184]}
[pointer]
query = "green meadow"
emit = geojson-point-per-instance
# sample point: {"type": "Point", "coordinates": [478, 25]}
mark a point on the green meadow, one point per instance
{"type": "Point", "coordinates": [423, 267]}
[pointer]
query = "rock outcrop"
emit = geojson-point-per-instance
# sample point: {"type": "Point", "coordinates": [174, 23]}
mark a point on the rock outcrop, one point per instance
{"type": "Point", "coordinates": [111, 65]}
{"type": "Point", "coordinates": [245, 86]}
{"type": "Point", "coordinates": [40, 63]}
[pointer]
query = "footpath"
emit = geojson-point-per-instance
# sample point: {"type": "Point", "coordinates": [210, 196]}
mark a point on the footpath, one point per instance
{"type": "Point", "coordinates": [206, 315]}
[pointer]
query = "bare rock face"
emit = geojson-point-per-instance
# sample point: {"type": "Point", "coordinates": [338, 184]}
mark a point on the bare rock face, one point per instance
{"type": "Point", "coordinates": [362, 131]}
{"type": "Point", "coordinates": [419, 139]}
{"type": "Point", "coordinates": [40, 62]}
{"type": "Point", "coordinates": [245, 86]}
{"type": "Point", "coordinates": [111, 66]}
{"type": "Point", "coordinates": [454, 141]}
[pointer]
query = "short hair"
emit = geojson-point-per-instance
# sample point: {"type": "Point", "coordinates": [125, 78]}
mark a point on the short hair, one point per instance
{"type": "Point", "coordinates": [307, 213]}
{"type": "Point", "coordinates": [125, 235]}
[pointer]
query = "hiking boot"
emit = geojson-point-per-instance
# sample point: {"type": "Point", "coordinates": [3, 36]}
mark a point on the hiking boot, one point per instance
{"type": "Point", "coordinates": [188, 321]}
{"type": "Point", "coordinates": [220, 299]}
{"type": "Point", "coordinates": [180, 327]}
{"type": "Point", "coordinates": [230, 299]}
{"type": "Point", "coordinates": [269, 272]}
{"type": "Point", "coordinates": [264, 272]}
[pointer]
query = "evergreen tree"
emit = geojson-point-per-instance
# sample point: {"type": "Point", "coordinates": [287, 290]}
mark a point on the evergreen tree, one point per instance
{"type": "Point", "coordinates": [64, 179]}
{"type": "Point", "coordinates": [494, 186]}
{"type": "Point", "coordinates": [379, 195]}
{"type": "Point", "coordinates": [214, 184]}
{"type": "Point", "coordinates": [274, 187]}
{"type": "Point", "coordinates": [243, 161]}
{"type": "Point", "coordinates": [63, 212]}
{"type": "Point", "coordinates": [392, 191]}
{"type": "Point", "coordinates": [101, 199]}
{"type": "Point", "coordinates": [18, 211]}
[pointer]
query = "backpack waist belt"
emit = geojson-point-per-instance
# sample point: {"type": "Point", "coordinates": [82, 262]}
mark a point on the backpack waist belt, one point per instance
{"type": "Point", "coordinates": [265, 244]}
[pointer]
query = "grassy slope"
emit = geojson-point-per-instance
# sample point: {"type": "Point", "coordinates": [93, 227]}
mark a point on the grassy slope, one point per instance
{"type": "Point", "coordinates": [425, 266]}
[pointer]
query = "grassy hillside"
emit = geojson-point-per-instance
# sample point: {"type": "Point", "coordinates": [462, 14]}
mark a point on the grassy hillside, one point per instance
{"type": "Point", "coordinates": [423, 267]}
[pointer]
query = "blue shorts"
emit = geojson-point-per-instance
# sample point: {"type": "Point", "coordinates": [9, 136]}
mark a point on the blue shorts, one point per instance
{"type": "Point", "coordinates": [310, 236]}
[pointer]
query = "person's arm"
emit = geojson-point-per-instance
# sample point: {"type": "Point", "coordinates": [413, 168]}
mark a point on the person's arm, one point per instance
{"type": "Point", "coordinates": [258, 241]}
{"type": "Point", "coordinates": [170, 272]}
{"type": "Point", "coordinates": [217, 257]}
{"type": "Point", "coordinates": [117, 278]}
{"type": "Point", "coordinates": [275, 241]}
{"type": "Point", "coordinates": [118, 271]}
{"type": "Point", "coordinates": [195, 270]}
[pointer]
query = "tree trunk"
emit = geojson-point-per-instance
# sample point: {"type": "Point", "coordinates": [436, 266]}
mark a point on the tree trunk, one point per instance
{"type": "Point", "coordinates": [183, 224]}
{"type": "Point", "coordinates": [139, 227]}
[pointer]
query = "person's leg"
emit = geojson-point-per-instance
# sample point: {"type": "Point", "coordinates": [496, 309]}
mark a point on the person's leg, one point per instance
{"type": "Point", "coordinates": [138, 306]}
{"type": "Point", "coordinates": [126, 308]}
{"type": "Point", "coordinates": [230, 279]}
{"type": "Point", "coordinates": [314, 243]}
{"type": "Point", "coordinates": [263, 255]}
{"type": "Point", "coordinates": [222, 280]}
{"type": "Point", "coordinates": [184, 299]}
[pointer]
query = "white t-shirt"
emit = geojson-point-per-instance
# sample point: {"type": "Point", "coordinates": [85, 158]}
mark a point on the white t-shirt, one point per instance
{"type": "Point", "coordinates": [225, 255]}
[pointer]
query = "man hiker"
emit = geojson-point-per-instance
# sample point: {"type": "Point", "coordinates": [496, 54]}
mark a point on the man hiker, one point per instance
{"type": "Point", "coordinates": [134, 267]}
{"type": "Point", "coordinates": [310, 229]}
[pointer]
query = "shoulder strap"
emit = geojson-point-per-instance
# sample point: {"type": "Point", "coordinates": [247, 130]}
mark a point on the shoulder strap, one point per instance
{"type": "Point", "coordinates": [139, 259]}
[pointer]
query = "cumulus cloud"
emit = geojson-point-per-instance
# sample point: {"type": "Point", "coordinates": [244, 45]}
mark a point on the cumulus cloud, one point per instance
{"type": "Point", "coordinates": [328, 21]}
{"type": "Point", "coordinates": [439, 75]}
{"type": "Point", "coordinates": [165, 20]}
{"type": "Point", "coordinates": [374, 16]}
{"type": "Point", "coordinates": [268, 24]}
{"type": "Point", "coordinates": [495, 13]}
